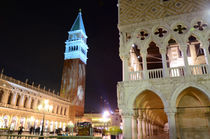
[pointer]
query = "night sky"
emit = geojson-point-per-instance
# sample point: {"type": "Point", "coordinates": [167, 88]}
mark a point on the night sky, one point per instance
{"type": "Point", "coordinates": [32, 36]}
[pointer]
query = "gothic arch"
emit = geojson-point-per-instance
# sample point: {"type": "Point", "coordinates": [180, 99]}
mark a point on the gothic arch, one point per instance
{"type": "Point", "coordinates": [182, 87]}
{"type": "Point", "coordinates": [196, 34]}
{"type": "Point", "coordinates": [137, 91]}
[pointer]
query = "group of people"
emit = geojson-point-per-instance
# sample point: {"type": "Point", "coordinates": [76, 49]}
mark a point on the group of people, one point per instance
{"type": "Point", "coordinates": [33, 130]}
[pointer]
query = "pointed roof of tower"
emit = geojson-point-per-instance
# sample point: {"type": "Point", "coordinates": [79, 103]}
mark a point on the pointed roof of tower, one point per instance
{"type": "Point", "coordinates": [78, 23]}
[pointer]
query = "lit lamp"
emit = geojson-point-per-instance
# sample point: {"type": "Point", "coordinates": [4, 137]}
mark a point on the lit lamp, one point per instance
{"type": "Point", "coordinates": [44, 107]}
{"type": "Point", "coordinates": [105, 117]}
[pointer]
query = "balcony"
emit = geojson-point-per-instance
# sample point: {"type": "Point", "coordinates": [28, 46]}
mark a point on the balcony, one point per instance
{"type": "Point", "coordinates": [170, 72]}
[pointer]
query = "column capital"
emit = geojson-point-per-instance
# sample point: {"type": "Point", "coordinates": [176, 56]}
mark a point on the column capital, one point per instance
{"type": "Point", "coordinates": [169, 110]}
{"type": "Point", "coordinates": [127, 113]}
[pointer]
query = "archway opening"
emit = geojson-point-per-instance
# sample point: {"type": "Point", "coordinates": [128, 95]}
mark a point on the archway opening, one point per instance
{"type": "Point", "coordinates": [192, 116]}
{"type": "Point", "coordinates": [152, 120]}
{"type": "Point", "coordinates": [154, 59]}
{"type": "Point", "coordinates": [195, 52]}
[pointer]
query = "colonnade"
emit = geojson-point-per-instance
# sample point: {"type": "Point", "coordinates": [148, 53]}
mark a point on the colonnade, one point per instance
{"type": "Point", "coordinates": [140, 127]}
{"type": "Point", "coordinates": [14, 121]}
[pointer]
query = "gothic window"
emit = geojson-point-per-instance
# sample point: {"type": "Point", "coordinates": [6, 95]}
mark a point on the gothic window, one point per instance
{"type": "Point", "coordinates": [61, 110]}
{"type": "Point", "coordinates": [199, 51]}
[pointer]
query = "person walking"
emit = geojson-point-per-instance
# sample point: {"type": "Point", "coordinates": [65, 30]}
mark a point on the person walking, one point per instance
{"type": "Point", "coordinates": [20, 131]}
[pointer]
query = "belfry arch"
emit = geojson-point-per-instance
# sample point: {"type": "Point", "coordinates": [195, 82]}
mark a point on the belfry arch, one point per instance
{"type": "Point", "coordinates": [193, 115]}
{"type": "Point", "coordinates": [151, 118]}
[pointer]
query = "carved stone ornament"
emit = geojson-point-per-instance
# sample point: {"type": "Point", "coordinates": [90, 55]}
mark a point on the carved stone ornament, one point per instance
{"type": "Point", "coordinates": [160, 32]}
{"type": "Point", "coordinates": [200, 25]}
{"type": "Point", "coordinates": [180, 29]}
{"type": "Point", "coordinates": [142, 35]}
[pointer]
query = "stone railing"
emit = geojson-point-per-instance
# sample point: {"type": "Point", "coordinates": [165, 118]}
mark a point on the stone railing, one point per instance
{"type": "Point", "coordinates": [198, 69]}
{"type": "Point", "coordinates": [33, 87]}
{"type": "Point", "coordinates": [170, 72]}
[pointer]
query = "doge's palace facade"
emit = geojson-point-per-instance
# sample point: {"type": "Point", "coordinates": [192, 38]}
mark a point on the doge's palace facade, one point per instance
{"type": "Point", "coordinates": [165, 53]}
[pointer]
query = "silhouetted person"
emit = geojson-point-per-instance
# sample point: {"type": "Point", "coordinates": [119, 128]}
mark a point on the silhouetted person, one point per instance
{"type": "Point", "coordinates": [20, 131]}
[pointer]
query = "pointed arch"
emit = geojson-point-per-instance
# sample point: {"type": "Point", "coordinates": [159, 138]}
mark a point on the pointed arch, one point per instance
{"type": "Point", "coordinates": [182, 87]}
{"type": "Point", "coordinates": [138, 90]}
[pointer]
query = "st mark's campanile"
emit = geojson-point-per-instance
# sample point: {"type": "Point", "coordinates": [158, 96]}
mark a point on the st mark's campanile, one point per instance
{"type": "Point", "coordinates": [75, 58]}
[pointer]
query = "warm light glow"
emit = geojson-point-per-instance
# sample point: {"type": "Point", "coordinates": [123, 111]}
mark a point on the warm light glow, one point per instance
{"type": "Point", "coordinates": [106, 114]}
{"type": "Point", "coordinates": [40, 107]}
{"type": "Point", "coordinates": [46, 102]}
{"type": "Point", "coordinates": [46, 107]}
{"type": "Point", "coordinates": [50, 107]}
{"type": "Point", "coordinates": [32, 119]}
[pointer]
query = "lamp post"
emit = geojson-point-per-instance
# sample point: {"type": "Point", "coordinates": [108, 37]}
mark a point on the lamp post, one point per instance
{"type": "Point", "coordinates": [44, 107]}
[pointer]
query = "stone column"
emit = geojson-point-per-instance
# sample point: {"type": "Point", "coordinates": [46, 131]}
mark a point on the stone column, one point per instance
{"type": "Point", "coordinates": [134, 127]}
{"type": "Point", "coordinates": [171, 124]}
{"type": "Point", "coordinates": [140, 127]}
{"type": "Point", "coordinates": [5, 96]}
{"type": "Point", "coordinates": [144, 60]}
{"type": "Point", "coordinates": [127, 124]}
{"type": "Point", "coordinates": [183, 48]}
{"type": "Point", "coordinates": [125, 60]}
{"type": "Point", "coordinates": [164, 62]}
{"type": "Point", "coordinates": [144, 127]}
{"type": "Point", "coordinates": [55, 108]}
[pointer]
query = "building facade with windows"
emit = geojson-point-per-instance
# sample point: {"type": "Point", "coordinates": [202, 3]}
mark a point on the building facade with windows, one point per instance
{"type": "Point", "coordinates": [165, 53]}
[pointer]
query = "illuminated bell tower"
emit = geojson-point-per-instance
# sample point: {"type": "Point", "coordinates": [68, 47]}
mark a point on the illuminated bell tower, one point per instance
{"type": "Point", "coordinates": [75, 58]}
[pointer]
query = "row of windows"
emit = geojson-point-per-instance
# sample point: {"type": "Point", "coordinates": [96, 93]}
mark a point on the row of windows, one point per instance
{"type": "Point", "coordinates": [61, 111]}
{"type": "Point", "coordinates": [75, 48]}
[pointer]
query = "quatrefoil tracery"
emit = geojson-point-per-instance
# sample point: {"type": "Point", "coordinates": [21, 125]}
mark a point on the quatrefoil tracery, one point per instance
{"type": "Point", "coordinates": [160, 32]}
{"type": "Point", "coordinates": [180, 29]}
{"type": "Point", "coordinates": [142, 35]}
{"type": "Point", "coordinates": [200, 26]}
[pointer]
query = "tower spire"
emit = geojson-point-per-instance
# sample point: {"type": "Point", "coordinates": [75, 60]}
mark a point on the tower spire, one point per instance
{"type": "Point", "coordinates": [76, 47]}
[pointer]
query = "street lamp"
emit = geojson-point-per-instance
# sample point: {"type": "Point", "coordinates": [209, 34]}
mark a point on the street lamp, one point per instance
{"type": "Point", "coordinates": [44, 107]}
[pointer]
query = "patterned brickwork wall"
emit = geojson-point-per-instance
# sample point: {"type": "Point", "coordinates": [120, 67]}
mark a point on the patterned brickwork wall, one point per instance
{"type": "Point", "coordinates": [134, 11]}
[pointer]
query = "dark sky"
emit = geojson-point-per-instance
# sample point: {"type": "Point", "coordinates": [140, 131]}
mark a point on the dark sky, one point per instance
{"type": "Point", "coordinates": [32, 36]}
